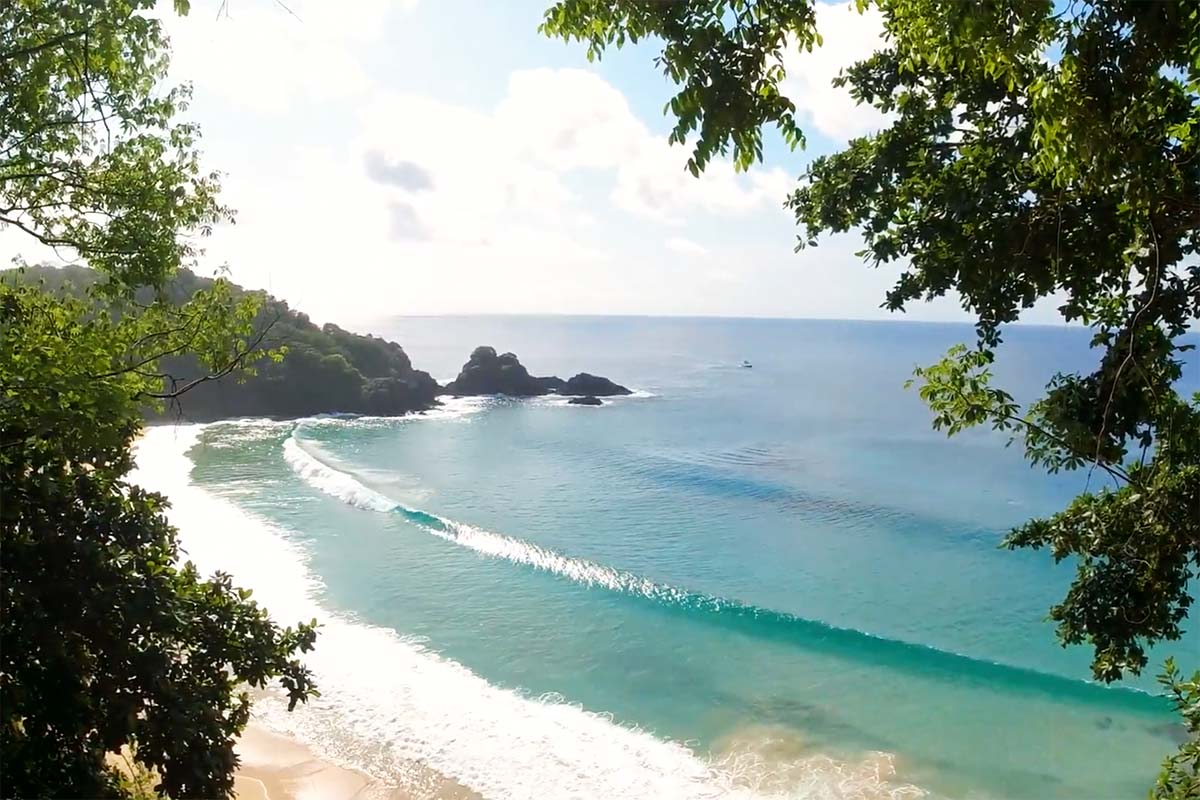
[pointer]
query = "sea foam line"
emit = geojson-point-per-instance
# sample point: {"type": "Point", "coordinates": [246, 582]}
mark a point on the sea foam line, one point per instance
{"type": "Point", "coordinates": [333, 481]}
{"type": "Point", "coordinates": [388, 702]}
{"type": "Point", "coordinates": [733, 613]}
{"type": "Point", "coordinates": [348, 489]}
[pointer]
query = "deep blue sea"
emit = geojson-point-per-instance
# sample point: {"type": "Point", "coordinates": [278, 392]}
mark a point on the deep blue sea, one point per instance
{"type": "Point", "coordinates": [774, 581]}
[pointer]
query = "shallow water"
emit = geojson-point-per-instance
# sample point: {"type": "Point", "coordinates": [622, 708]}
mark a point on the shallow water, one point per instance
{"type": "Point", "coordinates": [770, 581]}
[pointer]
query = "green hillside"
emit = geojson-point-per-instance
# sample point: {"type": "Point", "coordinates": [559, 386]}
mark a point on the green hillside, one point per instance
{"type": "Point", "coordinates": [326, 369]}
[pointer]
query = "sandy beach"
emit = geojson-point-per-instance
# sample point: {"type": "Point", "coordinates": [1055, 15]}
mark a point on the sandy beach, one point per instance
{"type": "Point", "coordinates": [275, 767]}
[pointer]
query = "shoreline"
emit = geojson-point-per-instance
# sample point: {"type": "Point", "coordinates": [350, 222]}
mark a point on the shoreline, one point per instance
{"type": "Point", "coordinates": [275, 766]}
{"type": "Point", "coordinates": [396, 701]}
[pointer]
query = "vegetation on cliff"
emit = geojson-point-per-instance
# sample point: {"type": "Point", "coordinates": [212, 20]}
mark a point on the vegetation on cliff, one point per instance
{"type": "Point", "coordinates": [324, 369]}
{"type": "Point", "coordinates": [109, 640]}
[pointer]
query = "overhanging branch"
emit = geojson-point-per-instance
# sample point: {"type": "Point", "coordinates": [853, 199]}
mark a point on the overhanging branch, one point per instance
{"type": "Point", "coordinates": [235, 363]}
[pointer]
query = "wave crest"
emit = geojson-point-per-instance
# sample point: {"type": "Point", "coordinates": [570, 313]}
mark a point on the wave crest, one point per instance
{"type": "Point", "coordinates": [388, 703]}
{"type": "Point", "coordinates": [332, 481]}
{"type": "Point", "coordinates": [733, 614]}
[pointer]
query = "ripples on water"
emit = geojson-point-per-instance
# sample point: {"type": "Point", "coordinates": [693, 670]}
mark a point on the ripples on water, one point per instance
{"type": "Point", "coordinates": [744, 583]}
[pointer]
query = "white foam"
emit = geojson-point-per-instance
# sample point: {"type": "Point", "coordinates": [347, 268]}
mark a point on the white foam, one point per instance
{"type": "Point", "coordinates": [499, 546]}
{"type": "Point", "coordinates": [390, 697]}
{"type": "Point", "coordinates": [460, 407]}
{"type": "Point", "coordinates": [565, 399]}
{"type": "Point", "coordinates": [347, 488]}
{"type": "Point", "coordinates": [332, 481]}
{"type": "Point", "coordinates": [450, 409]}
{"type": "Point", "coordinates": [249, 429]}
{"type": "Point", "coordinates": [457, 408]}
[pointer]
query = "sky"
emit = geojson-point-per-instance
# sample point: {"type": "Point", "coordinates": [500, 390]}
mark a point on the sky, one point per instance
{"type": "Point", "coordinates": [443, 157]}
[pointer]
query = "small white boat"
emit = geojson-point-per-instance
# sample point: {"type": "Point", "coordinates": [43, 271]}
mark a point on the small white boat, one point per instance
{"type": "Point", "coordinates": [747, 365]}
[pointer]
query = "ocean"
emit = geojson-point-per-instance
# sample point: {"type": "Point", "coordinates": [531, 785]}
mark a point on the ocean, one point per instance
{"type": "Point", "coordinates": [765, 582]}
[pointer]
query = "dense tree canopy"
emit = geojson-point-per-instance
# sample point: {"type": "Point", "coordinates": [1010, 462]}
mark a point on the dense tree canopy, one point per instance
{"type": "Point", "coordinates": [106, 639]}
{"type": "Point", "coordinates": [1032, 151]}
{"type": "Point", "coordinates": [326, 368]}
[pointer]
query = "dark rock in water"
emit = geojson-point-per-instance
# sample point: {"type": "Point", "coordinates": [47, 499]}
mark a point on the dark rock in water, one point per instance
{"type": "Point", "coordinates": [589, 400]}
{"type": "Point", "coordinates": [593, 385]}
{"type": "Point", "coordinates": [389, 396]}
{"type": "Point", "coordinates": [1177, 732]}
{"type": "Point", "coordinates": [488, 373]}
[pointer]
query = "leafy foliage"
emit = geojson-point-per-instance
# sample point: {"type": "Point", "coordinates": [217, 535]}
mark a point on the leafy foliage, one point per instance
{"type": "Point", "coordinates": [326, 369]}
{"type": "Point", "coordinates": [92, 158]}
{"type": "Point", "coordinates": [1180, 776]}
{"type": "Point", "coordinates": [1033, 150]}
{"type": "Point", "coordinates": [107, 641]}
{"type": "Point", "coordinates": [727, 54]}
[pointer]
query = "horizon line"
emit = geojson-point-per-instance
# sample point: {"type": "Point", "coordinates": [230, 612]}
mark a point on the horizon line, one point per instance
{"type": "Point", "coordinates": [898, 319]}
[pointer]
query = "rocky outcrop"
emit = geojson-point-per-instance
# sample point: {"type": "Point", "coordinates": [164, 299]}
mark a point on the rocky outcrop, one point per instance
{"type": "Point", "coordinates": [552, 384]}
{"type": "Point", "coordinates": [593, 385]}
{"type": "Point", "coordinates": [488, 373]}
{"type": "Point", "coordinates": [589, 400]}
{"type": "Point", "coordinates": [416, 391]}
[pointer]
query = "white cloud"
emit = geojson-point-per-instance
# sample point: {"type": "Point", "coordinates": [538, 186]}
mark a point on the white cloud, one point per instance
{"type": "Point", "coordinates": [262, 57]}
{"type": "Point", "coordinates": [523, 206]}
{"type": "Point", "coordinates": [489, 172]}
{"type": "Point", "coordinates": [848, 37]}
{"type": "Point", "coordinates": [343, 247]}
{"type": "Point", "coordinates": [686, 246]}
{"type": "Point", "coordinates": [654, 183]}
{"type": "Point", "coordinates": [362, 196]}
{"type": "Point", "coordinates": [18, 247]}
{"type": "Point", "coordinates": [570, 119]}
{"type": "Point", "coordinates": [483, 185]}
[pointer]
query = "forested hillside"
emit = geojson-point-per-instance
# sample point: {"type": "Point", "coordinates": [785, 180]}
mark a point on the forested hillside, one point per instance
{"type": "Point", "coordinates": [326, 369]}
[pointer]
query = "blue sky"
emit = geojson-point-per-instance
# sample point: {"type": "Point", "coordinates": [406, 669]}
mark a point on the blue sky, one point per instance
{"type": "Point", "coordinates": [425, 157]}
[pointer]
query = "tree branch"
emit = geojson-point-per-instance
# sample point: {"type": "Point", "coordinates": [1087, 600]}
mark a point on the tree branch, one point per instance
{"type": "Point", "coordinates": [1115, 471]}
{"type": "Point", "coordinates": [37, 48]}
{"type": "Point", "coordinates": [234, 364]}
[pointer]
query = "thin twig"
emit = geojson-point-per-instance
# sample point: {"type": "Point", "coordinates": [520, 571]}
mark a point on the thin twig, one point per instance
{"type": "Point", "coordinates": [236, 362]}
{"type": "Point", "coordinates": [1114, 470]}
{"type": "Point", "coordinates": [37, 48]}
{"type": "Point", "coordinates": [1133, 328]}
{"type": "Point", "coordinates": [283, 5]}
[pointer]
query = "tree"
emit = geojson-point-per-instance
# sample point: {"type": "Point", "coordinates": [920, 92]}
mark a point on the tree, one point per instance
{"type": "Point", "coordinates": [381, 378]}
{"type": "Point", "coordinates": [106, 640]}
{"type": "Point", "coordinates": [1032, 151]}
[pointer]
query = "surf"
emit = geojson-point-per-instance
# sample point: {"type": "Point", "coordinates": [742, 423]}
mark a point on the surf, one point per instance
{"type": "Point", "coordinates": [389, 703]}
{"type": "Point", "coordinates": [763, 623]}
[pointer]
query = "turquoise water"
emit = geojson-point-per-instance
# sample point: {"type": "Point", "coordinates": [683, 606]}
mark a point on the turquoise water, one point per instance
{"type": "Point", "coordinates": [774, 581]}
